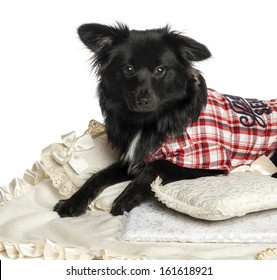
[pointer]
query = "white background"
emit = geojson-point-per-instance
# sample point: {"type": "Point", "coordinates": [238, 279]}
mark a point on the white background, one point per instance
{"type": "Point", "coordinates": [47, 88]}
{"type": "Point", "coordinates": [221, 269]}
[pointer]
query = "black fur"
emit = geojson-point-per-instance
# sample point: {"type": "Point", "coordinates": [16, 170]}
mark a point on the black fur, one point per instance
{"type": "Point", "coordinates": [148, 88]}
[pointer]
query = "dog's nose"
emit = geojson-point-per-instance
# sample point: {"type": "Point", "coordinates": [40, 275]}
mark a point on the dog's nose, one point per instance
{"type": "Point", "coordinates": [144, 104]}
{"type": "Point", "coordinates": [145, 101]}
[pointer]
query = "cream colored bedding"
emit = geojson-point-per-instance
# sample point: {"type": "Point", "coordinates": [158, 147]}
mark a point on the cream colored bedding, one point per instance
{"type": "Point", "coordinates": [29, 227]}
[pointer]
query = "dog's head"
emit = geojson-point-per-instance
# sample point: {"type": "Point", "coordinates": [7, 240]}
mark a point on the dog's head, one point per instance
{"type": "Point", "coordinates": [145, 71]}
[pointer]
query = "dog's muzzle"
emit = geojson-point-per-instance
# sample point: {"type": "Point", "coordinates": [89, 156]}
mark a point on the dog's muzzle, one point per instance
{"type": "Point", "coordinates": [143, 102]}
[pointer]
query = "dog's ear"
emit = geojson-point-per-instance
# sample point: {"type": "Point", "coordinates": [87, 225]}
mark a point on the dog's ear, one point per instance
{"type": "Point", "coordinates": [98, 37]}
{"type": "Point", "coordinates": [194, 50]}
{"type": "Point", "coordinates": [189, 48]}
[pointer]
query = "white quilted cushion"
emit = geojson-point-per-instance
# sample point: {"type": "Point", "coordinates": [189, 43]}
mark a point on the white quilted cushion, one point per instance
{"type": "Point", "coordinates": [221, 197]}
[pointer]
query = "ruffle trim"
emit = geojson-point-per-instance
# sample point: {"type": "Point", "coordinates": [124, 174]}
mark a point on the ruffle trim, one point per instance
{"type": "Point", "coordinates": [18, 187]}
{"type": "Point", "coordinates": [56, 172]}
{"type": "Point", "coordinates": [50, 250]}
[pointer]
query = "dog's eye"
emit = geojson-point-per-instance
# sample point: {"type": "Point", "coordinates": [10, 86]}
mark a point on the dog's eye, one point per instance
{"type": "Point", "coordinates": [160, 71]}
{"type": "Point", "coordinates": [128, 70]}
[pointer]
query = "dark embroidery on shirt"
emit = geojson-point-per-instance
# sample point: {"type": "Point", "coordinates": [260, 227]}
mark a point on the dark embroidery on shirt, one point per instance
{"type": "Point", "coordinates": [249, 109]}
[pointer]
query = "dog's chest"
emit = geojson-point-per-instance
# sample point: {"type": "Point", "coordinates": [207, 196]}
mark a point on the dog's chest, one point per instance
{"type": "Point", "coordinates": [128, 156]}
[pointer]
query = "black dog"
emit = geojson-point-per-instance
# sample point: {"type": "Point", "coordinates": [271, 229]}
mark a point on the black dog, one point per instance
{"type": "Point", "coordinates": [149, 94]}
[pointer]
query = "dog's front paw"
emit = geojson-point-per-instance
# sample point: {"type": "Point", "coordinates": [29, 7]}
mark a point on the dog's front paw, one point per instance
{"type": "Point", "coordinates": [125, 203]}
{"type": "Point", "coordinates": [69, 208]}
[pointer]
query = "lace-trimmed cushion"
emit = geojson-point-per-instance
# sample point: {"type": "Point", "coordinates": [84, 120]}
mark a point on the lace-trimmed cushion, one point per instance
{"type": "Point", "coordinates": [71, 163]}
{"type": "Point", "coordinates": [219, 198]}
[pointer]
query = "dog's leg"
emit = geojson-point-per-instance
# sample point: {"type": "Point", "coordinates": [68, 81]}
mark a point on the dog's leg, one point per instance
{"type": "Point", "coordinates": [139, 189]}
{"type": "Point", "coordinates": [77, 204]}
{"type": "Point", "coordinates": [274, 160]}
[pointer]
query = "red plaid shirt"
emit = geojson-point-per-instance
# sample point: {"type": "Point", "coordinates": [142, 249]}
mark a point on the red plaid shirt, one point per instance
{"type": "Point", "coordinates": [231, 131]}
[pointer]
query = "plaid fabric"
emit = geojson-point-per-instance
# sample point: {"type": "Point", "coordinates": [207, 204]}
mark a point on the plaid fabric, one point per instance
{"type": "Point", "coordinates": [231, 131]}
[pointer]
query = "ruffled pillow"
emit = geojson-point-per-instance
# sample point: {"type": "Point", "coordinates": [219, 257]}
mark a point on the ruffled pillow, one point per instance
{"type": "Point", "coordinates": [219, 198]}
{"type": "Point", "coordinates": [71, 163]}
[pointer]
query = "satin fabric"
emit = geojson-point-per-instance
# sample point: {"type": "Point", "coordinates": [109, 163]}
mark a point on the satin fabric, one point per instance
{"type": "Point", "coordinates": [29, 227]}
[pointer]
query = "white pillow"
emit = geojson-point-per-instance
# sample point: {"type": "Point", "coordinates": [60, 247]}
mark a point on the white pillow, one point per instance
{"type": "Point", "coordinates": [220, 197]}
{"type": "Point", "coordinates": [69, 164]}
